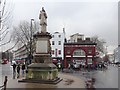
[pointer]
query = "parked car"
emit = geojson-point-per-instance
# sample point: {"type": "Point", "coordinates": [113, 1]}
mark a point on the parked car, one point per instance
{"type": "Point", "coordinates": [4, 61]}
{"type": "Point", "coordinates": [13, 62]}
{"type": "Point", "coordinates": [77, 65]}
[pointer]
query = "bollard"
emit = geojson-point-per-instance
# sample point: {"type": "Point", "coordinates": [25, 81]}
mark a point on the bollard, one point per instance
{"type": "Point", "coordinates": [5, 82]}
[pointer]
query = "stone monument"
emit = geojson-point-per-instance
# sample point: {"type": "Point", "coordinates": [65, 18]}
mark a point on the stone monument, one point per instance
{"type": "Point", "coordinates": [42, 69]}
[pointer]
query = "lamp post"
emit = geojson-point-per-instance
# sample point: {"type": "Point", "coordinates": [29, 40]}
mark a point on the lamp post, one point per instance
{"type": "Point", "coordinates": [0, 34]}
{"type": "Point", "coordinates": [31, 40]}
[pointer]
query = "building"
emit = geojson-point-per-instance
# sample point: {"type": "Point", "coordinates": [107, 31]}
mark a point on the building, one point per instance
{"type": "Point", "coordinates": [117, 55]}
{"type": "Point", "coordinates": [57, 46]}
{"type": "Point", "coordinates": [21, 54]}
{"type": "Point", "coordinates": [79, 51]}
{"type": "Point", "coordinates": [76, 37]}
{"type": "Point", "coordinates": [111, 57]}
{"type": "Point", "coordinates": [7, 55]}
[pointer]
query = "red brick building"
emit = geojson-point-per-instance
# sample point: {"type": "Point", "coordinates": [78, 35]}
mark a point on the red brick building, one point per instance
{"type": "Point", "coordinates": [83, 52]}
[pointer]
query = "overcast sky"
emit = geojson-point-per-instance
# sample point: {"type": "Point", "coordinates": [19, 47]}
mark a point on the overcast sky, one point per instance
{"type": "Point", "coordinates": [88, 17]}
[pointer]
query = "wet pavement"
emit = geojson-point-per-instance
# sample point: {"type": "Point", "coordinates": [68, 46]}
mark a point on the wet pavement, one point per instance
{"type": "Point", "coordinates": [69, 81]}
{"type": "Point", "coordinates": [5, 70]}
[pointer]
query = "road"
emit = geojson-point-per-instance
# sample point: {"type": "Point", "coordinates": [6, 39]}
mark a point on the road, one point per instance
{"type": "Point", "coordinates": [103, 78]}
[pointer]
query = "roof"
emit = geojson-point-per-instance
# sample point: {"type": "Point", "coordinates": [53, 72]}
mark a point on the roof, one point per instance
{"type": "Point", "coordinates": [81, 43]}
{"type": "Point", "coordinates": [77, 34]}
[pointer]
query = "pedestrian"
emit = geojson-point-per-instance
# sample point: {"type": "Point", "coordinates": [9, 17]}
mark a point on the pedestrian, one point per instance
{"type": "Point", "coordinates": [69, 66]}
{"type": "Point", "coordinates": [14, 68]}
{"type": "Point", "coordinates": [18, 71]}
{"type": "Point", "coordinates": [23, 69]}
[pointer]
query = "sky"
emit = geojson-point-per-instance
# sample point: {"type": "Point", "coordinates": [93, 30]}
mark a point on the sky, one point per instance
{"type": "Point", "coordinates": [88, 17]}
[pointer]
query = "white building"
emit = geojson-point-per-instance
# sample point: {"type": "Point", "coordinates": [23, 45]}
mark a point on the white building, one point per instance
{"type": "Point", "coordinates": [57, 46]}
{"type": "Point", "coordinates": [117, 55]}
{"type": "Point", "coordinates": [76, 37]}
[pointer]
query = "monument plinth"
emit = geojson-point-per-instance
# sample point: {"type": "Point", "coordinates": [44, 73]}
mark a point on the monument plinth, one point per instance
{"type": "Point", "coordinates": [42, 69]}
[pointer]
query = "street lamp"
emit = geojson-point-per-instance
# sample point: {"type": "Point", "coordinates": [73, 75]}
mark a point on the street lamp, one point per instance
{"type": "Point", "coordinates": [31, 40]}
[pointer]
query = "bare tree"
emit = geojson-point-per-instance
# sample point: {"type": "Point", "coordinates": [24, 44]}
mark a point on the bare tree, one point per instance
{"type": "Point", "coordinates": [23, 35]}
{"type": "Point", "coordinates": [100, 43]}
{"type": "Point", "coordinates": [5, 21]}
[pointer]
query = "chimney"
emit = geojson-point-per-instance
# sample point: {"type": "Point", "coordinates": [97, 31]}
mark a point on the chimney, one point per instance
{"type": "Point", "coordinates": [87, 39]}
{"type": "Point", "coordinates": [64, 30]}
{"type": "Point", "coordinates": [79, 39]}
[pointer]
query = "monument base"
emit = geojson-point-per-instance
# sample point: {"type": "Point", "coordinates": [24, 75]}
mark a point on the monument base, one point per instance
{"type": "Point", "coordinates": [46, 73]}
{"type": "Point", "coordinates": [55, 81]}
{"type": "Point", "coordinates": [42, 73]}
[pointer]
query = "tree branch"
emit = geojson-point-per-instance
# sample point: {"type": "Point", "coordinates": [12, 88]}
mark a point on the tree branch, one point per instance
{"type": "Point", "coordinates": [6, 42]}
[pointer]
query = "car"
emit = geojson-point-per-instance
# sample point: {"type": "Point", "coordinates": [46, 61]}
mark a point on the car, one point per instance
{"type": "Point", "coordinates": [76, 65]}
{"type": "Point", "coordinates": [4, 61]}
{"type": "Point", "coordinates": [13, 62]}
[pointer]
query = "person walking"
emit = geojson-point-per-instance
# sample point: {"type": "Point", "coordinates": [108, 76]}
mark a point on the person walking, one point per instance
{"type": "Point", "coordinates": [23, 69]}
{"type": "Point", "coordinates": [18, 71]}
{"type": "Point", "coordinates": [14, 68]}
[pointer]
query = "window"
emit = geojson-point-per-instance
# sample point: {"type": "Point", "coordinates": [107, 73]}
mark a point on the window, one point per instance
{"type": "Point", "coordinates": [59, 36]}
{"type": "Point", "coordinates": [53, 43]}
{"type": "Point", "coordinates": [59, 52]}
{"type": "Point", "coordinates": [52, 51]}
{"type": "Point", "coordinates": [89, 61]}
{"type": "Point", "coordinates": [52, 36]}
{"type": "Point", "coordinates": [68, 51]}
{"type": "Point", "coordinates": [89, 51]}
{"type": "Point", "coordinates": [59, 42]}
{"type": "Point", "coordinates": [79, 52]}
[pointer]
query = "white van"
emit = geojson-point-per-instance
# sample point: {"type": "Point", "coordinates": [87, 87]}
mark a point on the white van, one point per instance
{"type": "Point", "coordinates": [13, 62]}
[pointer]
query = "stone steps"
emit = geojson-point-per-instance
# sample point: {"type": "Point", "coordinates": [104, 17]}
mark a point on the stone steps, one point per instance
{"type": "Point", "coordinates": [55, 81]}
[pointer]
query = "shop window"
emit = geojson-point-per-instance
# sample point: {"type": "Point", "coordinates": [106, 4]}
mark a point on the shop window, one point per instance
{"type": "Point", "coordinates": [89, 61]}
{"type": "Point", "coordinates": [79, 52]}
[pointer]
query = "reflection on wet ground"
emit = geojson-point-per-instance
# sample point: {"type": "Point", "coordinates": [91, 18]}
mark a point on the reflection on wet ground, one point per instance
{"type": "Point", "coordinates": [103, 78]}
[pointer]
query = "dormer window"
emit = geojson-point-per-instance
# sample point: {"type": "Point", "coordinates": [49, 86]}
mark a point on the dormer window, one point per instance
{"type": "Point", "coordinates": [59, 36]}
